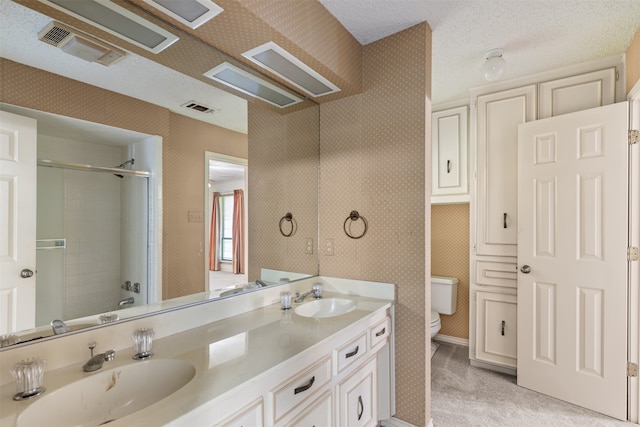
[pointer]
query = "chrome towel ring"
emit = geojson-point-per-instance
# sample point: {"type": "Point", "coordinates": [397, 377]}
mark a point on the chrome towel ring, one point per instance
{"type": "Point", "coordinates": [354, 216]}
{"type": "Point", "coordinates": [288, 217]}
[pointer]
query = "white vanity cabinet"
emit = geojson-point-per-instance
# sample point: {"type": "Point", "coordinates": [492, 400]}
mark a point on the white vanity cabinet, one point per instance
{"type": "Point", "coordinates": [356, 398]}
{"type": "Point", "coordinates": [496, 112]}
{"type": "Point", "coordinates": [449, 159]}
{"type": "Point", "coordinates": [249, 416]}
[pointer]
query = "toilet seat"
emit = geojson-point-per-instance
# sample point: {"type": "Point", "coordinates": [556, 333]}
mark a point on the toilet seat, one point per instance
{"type": "Point", "coordinates": [435, 318]}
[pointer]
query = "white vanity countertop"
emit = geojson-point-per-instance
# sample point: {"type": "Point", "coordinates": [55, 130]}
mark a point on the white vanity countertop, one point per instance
{"type": "Point", "coordinates": [227, 354]}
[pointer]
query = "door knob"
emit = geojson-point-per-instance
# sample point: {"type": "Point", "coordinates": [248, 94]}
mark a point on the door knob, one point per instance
{"type": "Point", "coordinates": [525, 269]}
{"type": "Point", "coordinates": [26, 273]}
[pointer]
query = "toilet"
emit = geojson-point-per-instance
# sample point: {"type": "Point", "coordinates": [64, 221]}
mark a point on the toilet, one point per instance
{"type": "Point", "coordinates": [444, 296]}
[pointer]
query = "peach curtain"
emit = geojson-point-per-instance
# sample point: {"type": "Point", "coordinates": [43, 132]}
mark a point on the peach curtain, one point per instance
{"type": "Point", "coordinates": [214, 234]}
{"type": "Point", "coordinates": [237, 262]}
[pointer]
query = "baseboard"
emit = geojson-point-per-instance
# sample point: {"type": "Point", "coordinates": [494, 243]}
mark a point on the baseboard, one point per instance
{"type": "Point", "coordinates": [394, 422]}
{"type": "Point", "coordinates": [452, 340]}
{"type": "Point", "coordinates": [492, 367]}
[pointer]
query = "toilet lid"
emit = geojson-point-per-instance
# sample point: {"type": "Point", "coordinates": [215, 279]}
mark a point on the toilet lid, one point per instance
{"type": "Point", "coordinates": [435, 317]}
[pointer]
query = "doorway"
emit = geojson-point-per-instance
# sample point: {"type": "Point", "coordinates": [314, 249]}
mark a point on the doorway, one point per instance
{"type": "Point", "coordinates": [226, 177]}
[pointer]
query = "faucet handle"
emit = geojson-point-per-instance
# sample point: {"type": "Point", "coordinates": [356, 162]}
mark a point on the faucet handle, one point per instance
{"type": "Point", "coordinates": [317, 290]}
{"type": "Point", "coordinates": [109, 355]}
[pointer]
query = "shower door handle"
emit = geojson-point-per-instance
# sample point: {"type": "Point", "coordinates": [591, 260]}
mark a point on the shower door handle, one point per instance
{"type": "Point", "coordinates": [26, 273]}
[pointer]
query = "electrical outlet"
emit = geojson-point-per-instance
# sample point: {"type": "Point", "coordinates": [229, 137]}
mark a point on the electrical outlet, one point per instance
{"type": "Point", "coordinates": [309, 247]}
{"type": "Point", "coordinates": [195, 216]}
{"type": "Point", "coordinates": [328, 247]}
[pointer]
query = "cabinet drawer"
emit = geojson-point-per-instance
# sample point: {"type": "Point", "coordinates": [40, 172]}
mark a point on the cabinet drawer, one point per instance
{"type": "Point", "coordinates": [301, 387]}
{"type": "Point", "coordinates": [249, 416]}
{"type": "Point", "coordinates": [317, 416]}
{"type": "Point", "coordinates": [493, 273]}
{"type": "Point", "coordinates": [379, 332]}
{"type": "Point", "coordinates": [350, 352]}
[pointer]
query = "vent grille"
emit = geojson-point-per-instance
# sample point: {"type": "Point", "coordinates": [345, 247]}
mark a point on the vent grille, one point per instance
{"type": "Point", "coordinates": [55, 35]}
{"type": "Point", "coordinates": [79, 44]}
{"type": "Point", "coordinates": [193, 105]}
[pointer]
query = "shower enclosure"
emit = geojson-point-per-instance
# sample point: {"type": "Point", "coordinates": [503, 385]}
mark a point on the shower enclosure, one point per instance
{"type": "Point", "coordinates": [92, 238]}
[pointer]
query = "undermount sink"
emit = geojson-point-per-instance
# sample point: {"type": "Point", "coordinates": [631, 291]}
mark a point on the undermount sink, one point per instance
{"type": "Point", "coordinates": [108, 395]}
{"type": "Point", "coordinates": [326, 307]}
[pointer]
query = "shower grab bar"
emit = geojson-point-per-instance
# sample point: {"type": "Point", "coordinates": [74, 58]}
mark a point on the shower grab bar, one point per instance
{"type": "Point", "coordinates": [83, 167]}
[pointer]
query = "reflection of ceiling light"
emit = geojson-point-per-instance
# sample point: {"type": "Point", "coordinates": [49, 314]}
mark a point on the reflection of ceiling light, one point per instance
{"type": "Point", "coordinates": [238, 79]}
{"type": "Point", "coordinates": [118, 21]}
{"type": "Point", "coordinates": [191, 13]}
{"type": "Point", "coordinates": [283, 64]}
{"type": "Point", "coordinates": [494, 66]}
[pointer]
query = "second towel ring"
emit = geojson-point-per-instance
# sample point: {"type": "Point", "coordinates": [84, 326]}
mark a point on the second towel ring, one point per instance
{"type": "Point", "coordinates": [288, 217]}
{"type": "Point", "coordinates": [354, 216]}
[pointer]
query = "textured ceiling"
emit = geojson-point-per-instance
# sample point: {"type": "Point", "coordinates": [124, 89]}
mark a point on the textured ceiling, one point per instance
{"type": "Point", "coordinates": [536, 35]}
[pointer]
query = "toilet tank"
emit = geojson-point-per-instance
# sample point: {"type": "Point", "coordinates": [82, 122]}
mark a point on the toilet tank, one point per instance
{"type": "Point", "coordinates": [444, 294]}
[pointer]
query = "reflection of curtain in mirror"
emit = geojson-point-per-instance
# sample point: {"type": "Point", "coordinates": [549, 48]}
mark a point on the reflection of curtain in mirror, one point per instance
{"type": "Point", "coordinates": [238, 232]}
{"type": "Point", "coordinates": [214, 235]}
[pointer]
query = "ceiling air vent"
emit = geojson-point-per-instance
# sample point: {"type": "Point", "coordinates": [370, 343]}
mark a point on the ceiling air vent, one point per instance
{"type": "Point", "coordinates": [238, 79]}
{"type": "Point", "coordinates": [193, 105]}
{"type": "Point", "coordinates": [118, 21]}
{"type": "Point", "coordinates": [286, 66]}
{"type": "Point", "coordinates": [75, 43]}
{"type": "Point", "coordinates": [191, 13]}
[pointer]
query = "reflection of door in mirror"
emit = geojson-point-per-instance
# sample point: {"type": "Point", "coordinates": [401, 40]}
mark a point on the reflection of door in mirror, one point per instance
{"type": "Point", "coordinates": [226, 230]}
{"type": "Point", "coordinates": [91, 226]}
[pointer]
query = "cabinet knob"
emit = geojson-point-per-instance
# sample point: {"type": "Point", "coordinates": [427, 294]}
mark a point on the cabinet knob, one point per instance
{"type": "Point", "coordinates": [525, 269]}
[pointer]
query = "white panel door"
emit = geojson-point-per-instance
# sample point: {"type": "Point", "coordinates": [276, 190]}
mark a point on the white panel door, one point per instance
{"type": "Point", "coordinates": [572, 216]}
{"type": "Point", "coordinates": [18, 140]}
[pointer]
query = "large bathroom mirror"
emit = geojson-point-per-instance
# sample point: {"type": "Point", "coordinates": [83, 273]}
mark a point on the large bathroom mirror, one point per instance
{"type": "Point", "coordinates": [282, 153]}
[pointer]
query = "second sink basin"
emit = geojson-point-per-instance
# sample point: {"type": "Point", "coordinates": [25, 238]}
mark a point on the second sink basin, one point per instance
{"type": "Point", "coordinates": [109, 394]}
{"type": "Point", "coordinates": [326, 307]}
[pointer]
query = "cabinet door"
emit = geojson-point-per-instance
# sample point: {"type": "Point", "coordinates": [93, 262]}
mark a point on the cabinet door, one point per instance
{"type": "Point", "coordinates": [318, 415]}
{"type": "Point", "coordinates": [357, 398]}
{"type": "Point", "coordinates": [498, 117]}
{"type": "Point", "coordinates": [577, 93]}
{"type": "Point", "coordinates": [496, 328]}
{"type": "Point", "coordinates": [250, 416]}
{"type": "Point", "coordinates": [449, 156]}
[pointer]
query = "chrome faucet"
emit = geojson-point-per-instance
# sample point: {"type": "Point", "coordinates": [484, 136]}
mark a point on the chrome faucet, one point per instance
{"type": "Point", "coordinates": [316, 290]}
{"type": "Point", "coordinates": [126, 301]}
{"type": "Point", "coordinates": [59, 327]}
{"type": "Point", "coordinates": [96, 362]}
{"type": "Point", "coordinates": [261, 283]}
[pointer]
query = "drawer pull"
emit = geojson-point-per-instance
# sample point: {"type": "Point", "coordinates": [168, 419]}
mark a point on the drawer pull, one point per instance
{"type": "Point", "coordinates": [381, 332]}
{"type": "Point", "coordinates": [353, 353]}
{"type": "Point", "coordinates": [360, 407]}
{"type": "Point", "coordinates": [448, 166]}
{"type": "Point", "coordinates": [305, 387]}
{"type": "Point", "coordinates": [503, 324]}
{"type": "Point", "coordinates": [504, 220]}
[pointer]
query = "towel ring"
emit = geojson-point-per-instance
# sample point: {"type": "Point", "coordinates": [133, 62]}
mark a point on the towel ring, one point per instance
{"type": "Point", "coordinates": [288, 217]}
{"type": "Point", "coordinates": [354, 216]}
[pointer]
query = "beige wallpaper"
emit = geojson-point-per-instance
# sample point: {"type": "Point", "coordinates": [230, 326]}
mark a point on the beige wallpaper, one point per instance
{"type": "Point", "coordinates": [283, 177]}
{"type": "Point", "coordinates": [184, 142]}
{"type": "Point", "coordinates": [450, 257]}
{"type": "Point", "coordinates": [372, 159]}
{"type": "Point", "coordinates": [633, 61]}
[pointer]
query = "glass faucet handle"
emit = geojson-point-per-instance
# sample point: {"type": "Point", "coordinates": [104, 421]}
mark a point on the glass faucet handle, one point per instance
{"type": "Point", "coordinates": [317, 290]}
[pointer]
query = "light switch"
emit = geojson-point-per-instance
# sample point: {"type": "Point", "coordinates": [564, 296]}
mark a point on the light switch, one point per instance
{"type": "Point", "coordinates": [328, 247]}
{"type": "Point", "coordinates": [309, 247]}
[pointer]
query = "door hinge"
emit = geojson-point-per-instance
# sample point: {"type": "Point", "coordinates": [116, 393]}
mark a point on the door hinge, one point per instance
{"type": "Point", "coordinates": [634, 136]}
{"type": "Point", "coordinates": [633, 254]}
{"type": "Point", "coordinates": [632, 369]}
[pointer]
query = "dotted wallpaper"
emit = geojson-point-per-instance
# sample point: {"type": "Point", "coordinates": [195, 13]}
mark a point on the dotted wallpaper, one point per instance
{"type": "Point", "coordinates": [283, 177]}
{"type": "Point", "coordinates": [633, 62]}
{"type": "Point", "coordinates": [450, 257]}
{"type": "Point", "coordinates": [372, 159]}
